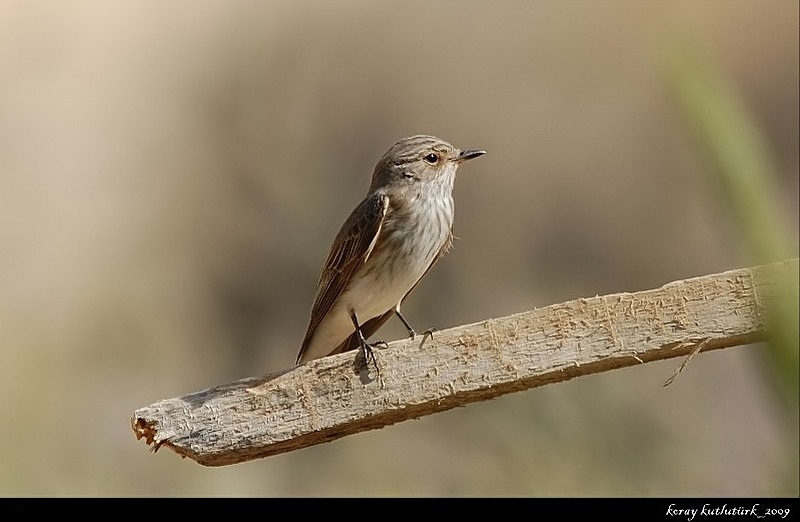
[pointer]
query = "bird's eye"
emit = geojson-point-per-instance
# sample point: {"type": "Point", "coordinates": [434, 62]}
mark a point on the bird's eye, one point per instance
{"type": "Point", "coordinates": [432, 158]}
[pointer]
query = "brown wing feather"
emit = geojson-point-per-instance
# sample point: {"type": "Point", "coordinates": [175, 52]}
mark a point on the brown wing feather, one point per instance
{"type": "Point", "coordinates": [350, 249]}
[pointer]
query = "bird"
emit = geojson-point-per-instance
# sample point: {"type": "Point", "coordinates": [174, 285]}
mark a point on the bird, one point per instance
{"type": "Point", "coordinates": [388, 243]}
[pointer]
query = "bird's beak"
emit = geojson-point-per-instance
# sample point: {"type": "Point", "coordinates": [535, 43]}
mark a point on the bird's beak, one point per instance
{"type": "Point", "coordinates": [465, 155]}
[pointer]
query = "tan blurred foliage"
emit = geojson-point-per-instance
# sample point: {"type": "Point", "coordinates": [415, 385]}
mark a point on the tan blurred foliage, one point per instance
{"type": "Point", "coordinates": [171, 177]}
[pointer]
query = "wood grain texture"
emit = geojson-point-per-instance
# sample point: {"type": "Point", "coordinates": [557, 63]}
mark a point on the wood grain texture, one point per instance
{"type": "Point", "coordinates": [336, 396]}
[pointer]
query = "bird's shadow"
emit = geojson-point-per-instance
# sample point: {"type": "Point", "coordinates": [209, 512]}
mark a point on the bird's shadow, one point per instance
{"type": "Point", "coordinates": [365, 357]}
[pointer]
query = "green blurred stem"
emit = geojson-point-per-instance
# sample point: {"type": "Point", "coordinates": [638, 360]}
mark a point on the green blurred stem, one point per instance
{"type": "Point", "coordinates": [741, 164]}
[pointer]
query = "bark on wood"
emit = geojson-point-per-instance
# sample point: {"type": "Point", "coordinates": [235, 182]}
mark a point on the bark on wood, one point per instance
{"type": "Point", "coordinates": [336, 396]}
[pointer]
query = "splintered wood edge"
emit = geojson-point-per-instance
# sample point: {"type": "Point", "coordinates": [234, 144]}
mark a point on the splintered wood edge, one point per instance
{"type": "Point", "coordinates": [332, 397]}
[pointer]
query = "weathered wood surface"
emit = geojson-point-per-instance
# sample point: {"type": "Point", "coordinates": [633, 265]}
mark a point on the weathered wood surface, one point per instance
{"type": "Point", "coordinates": [336, 396]}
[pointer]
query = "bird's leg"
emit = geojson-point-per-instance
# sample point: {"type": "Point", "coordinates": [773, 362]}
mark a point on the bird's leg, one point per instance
{"type": "Point", "coordinates": [411, 332]}
{"type": "Point", "coordinates": [365, 346]}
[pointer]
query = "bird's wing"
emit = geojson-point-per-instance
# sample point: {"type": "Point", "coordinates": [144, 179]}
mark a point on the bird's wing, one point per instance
{"type": "Point", "coordinates": [351, 248]}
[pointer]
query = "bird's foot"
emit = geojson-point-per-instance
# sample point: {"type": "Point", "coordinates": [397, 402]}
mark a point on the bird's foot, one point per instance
{"type": "Point", "coordinates": [427, 334]}
{"type": "Point", "coordinates": [369, 355]}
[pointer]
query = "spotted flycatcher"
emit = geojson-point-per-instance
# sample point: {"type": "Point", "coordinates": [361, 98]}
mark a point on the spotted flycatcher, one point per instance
{"type": "Point", "coordinates": [386, 245]}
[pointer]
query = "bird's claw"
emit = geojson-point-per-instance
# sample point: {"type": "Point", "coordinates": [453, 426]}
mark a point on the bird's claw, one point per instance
{"type": "Point", "coordinates": [369, 355]}
{"type": "Point", "coordinates": [427, 334]}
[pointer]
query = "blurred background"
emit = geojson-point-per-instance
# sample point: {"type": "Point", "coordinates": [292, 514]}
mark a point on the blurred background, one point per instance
{"type": "Point", "coordinates": [172, 175]}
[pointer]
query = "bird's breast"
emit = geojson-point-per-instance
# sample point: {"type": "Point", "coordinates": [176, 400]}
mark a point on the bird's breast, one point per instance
{"type": "Point", "coordinates": [411, 237]}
